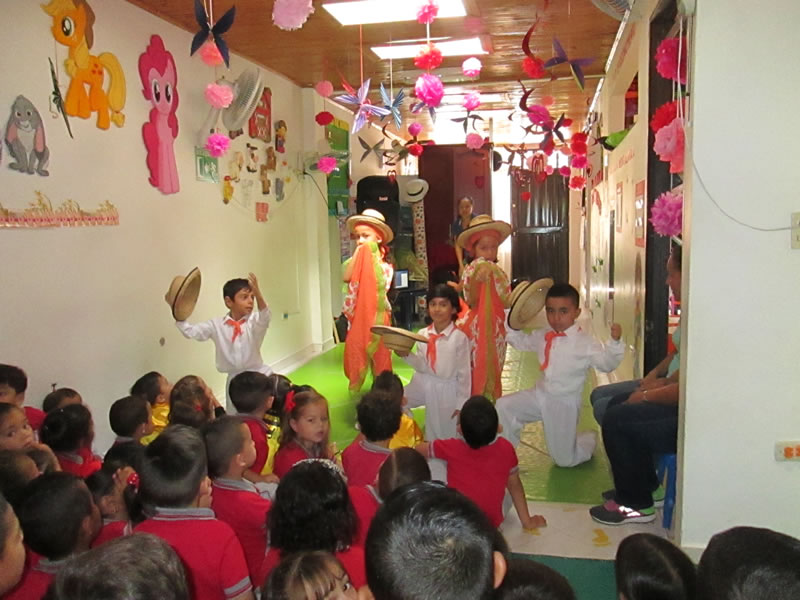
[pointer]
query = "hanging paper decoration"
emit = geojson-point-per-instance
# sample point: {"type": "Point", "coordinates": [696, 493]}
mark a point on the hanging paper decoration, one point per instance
{"type": "Point", "coordinates": [429, 90]}
{"type": "Point", "coordinates": [534, 67]}
{"type": "Point", "coordinates": [259, 126]}
{"type": "Point", "coordinates": [159, 78]}
{"type": "Point", "coordinates": [209, 54]}
{"type": "Point", "coordinates": [86, 69]}
{"type": "Point", "coordinates": [291, 14]}
{"type": "Point", "coordinates": [69, 213]}
{"type": "Point", "coordinates": [471, 67]}
{"type": "Point", "coordinates": [575, 64]}
{"type": "Point", "coordinates": [577, 143]}
{"type": "Point", "coordinates": [577, 182]}
{"type": "Point", "coordinates": [549, 169]}
{"type": "Point", "coordinates": [326, 164]}
{"type": "Point", "coordinates": [474, 141]}
{"type": "Point", "coordinates": [428, 58]}
{"type": "Point", "coordinates": [324, 88]}
{"type": "Point", "coordinates": [667, 59]}
{"type": "Point", "coordinates": [540, 115]}
{"type": "Point", "coordinates": [393, 105]}
{"type": "Point", "coordinates": [564, 171]}
{"type": "Point", "coordinates": [219, 96]}
{"type": "Point", "coordinates": [415, 129]}
{"type": "Point", "coordinates": [324, 118]}
{"type": "Point", "coordinates": [26, 140]}
{"type": "Point", "coordinates": [670, 145]}
{"type": "Point", "coordinates": [472, 101]}
{"type": "Point", "coordinates": [665, 114]}
{"type": "Point", "coordinates": [364, 108]}
{"type": "Point", "coordinates": [377, 149]}
{"type": "Point", "coordinates": [214, 32]}
{"type": "Point", "coordinates": [56, 97]}
{"type": "Point", "coordinates": [427, 12]}
{"type": "Point", "coordinates": [525, 196]}
{"type": "Point", "coordinates": [666, 215]}
{"type": "Point", "coordinates": [579, 161]}
{"type": "Point", "coordinates": [415, 149]}
{"type": "Point", "coordinates": [217, 144]}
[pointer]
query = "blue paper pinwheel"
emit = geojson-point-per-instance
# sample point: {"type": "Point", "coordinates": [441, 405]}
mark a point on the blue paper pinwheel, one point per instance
{"type": "Point", "coordinates": [393, 105]}
{"type": "Point", "coordinates": [364, 107]}
{"type": "Point", "coordinates": [215, 31]}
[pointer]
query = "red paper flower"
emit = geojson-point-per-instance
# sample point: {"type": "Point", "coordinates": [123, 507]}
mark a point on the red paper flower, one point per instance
{"type": "Point", "coordinates": [209, 54]}
{"type": "Point", "coordinates": [324, 88]}
{"type": "Point", "coordinates": [324, 118]}
{"type": "Point", "coordinates": [472, 101]}
{"type": "Point", "coordinates": [578, 147]}
{"type": "Point", "coordinates": [579, 137]}
{"type": "Point", "coordinates": [415, 149]}
{"type": "Point", "coordinates": [326, 164]}
{"type": "Point", "coordinates": [415, 129]}
{"type": "Point", "coordinates": [525, 196]}
{"type": "Point", "coordinates": [429, 57]}
{"type": "Point", "coordinates": [217, 144]}
{"type": "Point", "coordinates": [670, 145]}
{"type": "Point", "coordinates": [471, 67]}
{"type": "Point", "coordinates": [539, 115]}
{"type": "Point", "coordinates": [534, 67]}
{"type": "Point", "coordinates": [667, 214]}
{"type": "Point", "coordinates": [577, 183]}
{"type": "Point", "coordinates": [664, 115]}
{"type": "Point", "coordinates": [427, 12]}
{"type": "Point", "coordinates": [579, 161]}
{"type": "Point", "coordinates": [429, 89]}
{"type": "Point", "coordinates": [474, 141]}
{"type": "Point", "coordinates": [667, 59]}
{"type": "Point", "coordinates": [549, 170]}
{"type": "Point", "coordinates": [564, 171]}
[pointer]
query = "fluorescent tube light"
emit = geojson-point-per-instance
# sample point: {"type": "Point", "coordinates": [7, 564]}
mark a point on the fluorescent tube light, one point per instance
{"type": "Point", "coordinates": [464, 47]}
{"type": "Point", "coordinates": [363, 12]}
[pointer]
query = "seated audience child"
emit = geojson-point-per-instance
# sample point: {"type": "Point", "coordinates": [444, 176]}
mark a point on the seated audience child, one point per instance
{"type": "Point", "coordinates": [483, 465]}
{"type": "Point", "coordinates": [648, 566]}
{"type": "Point", "coordinates": [309, 576]}
{"type": "Point", "coordinates": [191, 402]}
{"type": "Point", "coordinates": [174, 486]}
{"type": "Point", "coordinates": [234, 499]}
{"type": "Point", "coordinates": [69, 432]}
{"type": "Point", "coordinates": [15, 431]}
{"type": "Point", "coordinates": [155, 388]}
{"type": "Point", "coordinates": [108, 491]}
{"type": "Point", "coordinates": [409, 434]}
{"type": "Point", "coordinates": [530, 580]}
{"type": "Point", "coordinates": [749, 563]}
{"type": "Point", "coordinates": [58, 519]}
{"type": "Point", "coordinates": [304, 430]}
{"type": "Point", "coordinates": [60, 398]}
{"type": "Point", "coordinates": [430, 542]}
{"type": "Point", "coordinates": [12, 551]}
{"type": "Point", "coordinates": [378, 416]}
{"type": "Point", "coordinates": [131, 419]}
{"type": "Point", "coordinates": [312, 511]}
{"type": "Point", "coordinates": [16, 470]}
{"type": "Point", "coordinates": [144, 567]}
{"type": "Point", "coordinates": [252, 394]}
{"type": "Point", "coordinates": [13, 383]}
{"type": "Point", "coordinates": [403, 467]}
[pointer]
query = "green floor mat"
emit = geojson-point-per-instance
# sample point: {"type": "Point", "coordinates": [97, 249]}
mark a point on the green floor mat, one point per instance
{"type": "Point", "coordinates": [591, 579]}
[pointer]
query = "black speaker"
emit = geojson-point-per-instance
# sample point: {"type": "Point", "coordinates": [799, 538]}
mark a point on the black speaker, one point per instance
{"type": "Point", "coordinates": [382, 194]}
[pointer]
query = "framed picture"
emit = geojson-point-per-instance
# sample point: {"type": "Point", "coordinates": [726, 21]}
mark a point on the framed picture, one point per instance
{"type": "Point", "coordinates": [260, 123]}
{"type": "Point", "coordinates": [206, 166]}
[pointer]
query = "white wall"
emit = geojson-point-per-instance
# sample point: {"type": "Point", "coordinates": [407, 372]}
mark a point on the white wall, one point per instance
{"type": "Point", "coordinates": [741, 287]}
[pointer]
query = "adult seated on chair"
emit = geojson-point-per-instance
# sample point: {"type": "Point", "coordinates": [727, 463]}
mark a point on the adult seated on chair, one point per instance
{"type": "Point", "coordinates": [637, 427]}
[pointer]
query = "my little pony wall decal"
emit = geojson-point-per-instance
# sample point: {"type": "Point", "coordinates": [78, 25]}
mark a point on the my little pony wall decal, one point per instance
{"type": "Point", "coordinates": [73, 26]}
{"type": "Point", "coordinates": [159, 85]}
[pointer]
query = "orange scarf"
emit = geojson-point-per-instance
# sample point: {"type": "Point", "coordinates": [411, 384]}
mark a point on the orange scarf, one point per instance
{"type": "Point", "coordinates": [237, 327]}
{"type": "Point", "coordinates": [548, 339]}
{"type": "Point", "coordinates": [431, 352]}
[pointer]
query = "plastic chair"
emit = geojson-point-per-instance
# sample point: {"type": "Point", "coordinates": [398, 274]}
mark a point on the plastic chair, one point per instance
{"type": "Point", "coordinates": [668, 465]}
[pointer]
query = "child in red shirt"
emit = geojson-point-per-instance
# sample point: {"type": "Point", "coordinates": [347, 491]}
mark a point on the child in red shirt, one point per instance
{"type": "Point", "coordinates": [131, 418]}
{"type": "Point", "coordinates": [13, 383]}
{"type": "Point", "coordinates": [69, 432]}
{"type": "Point", "coordinates": [174, 485]}
{"type": "Point", "coordinates": [252, 394]}
{"type": "Point", "coordinates": [235, 500]}
{"type": "Point", "coordinates": [378, 417]}
{"type": "Point", "coordinates": [483, 465]}
{"type": "Point", "coordinates": [305, 429]}
{"type": "Point", "coordinates": [108, 491]}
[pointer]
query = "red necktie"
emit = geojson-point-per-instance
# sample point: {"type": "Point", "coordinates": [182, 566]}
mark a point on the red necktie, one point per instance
{"type": "Point", "coordinates": [432, 337]}
{"type": "Point", "coordinates": [548, 338]}
{"type": "Point", "coordinates": [237, 327]}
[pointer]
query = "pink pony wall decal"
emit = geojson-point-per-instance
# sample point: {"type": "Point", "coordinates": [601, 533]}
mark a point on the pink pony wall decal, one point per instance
{"type": "Point", "coordinates": [159, 86]}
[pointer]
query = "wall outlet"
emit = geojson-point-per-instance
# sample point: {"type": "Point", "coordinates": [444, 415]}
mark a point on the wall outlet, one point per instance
{"type": "Point", "coordinates": [787, 450]}
{"type": "Point", "coordinates": [796, 231]}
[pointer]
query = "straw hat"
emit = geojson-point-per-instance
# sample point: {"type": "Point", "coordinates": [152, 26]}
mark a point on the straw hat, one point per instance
{"type": "Point", "coordinates": [483, 223]}
{"type": "Point", "coordinates": [414, 191]}
{"type": "Point", "coordinates": [373, 218]}
{"type": "Point", "coordinates": [395, 338]}
{"type": "Point", "coordinates": [526, 301]}
{"type": "Point", "coordinates": [182, 294]}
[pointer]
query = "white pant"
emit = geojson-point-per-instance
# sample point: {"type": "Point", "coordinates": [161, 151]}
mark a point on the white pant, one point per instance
{"type": "Point", "coordinates": [559, 415]}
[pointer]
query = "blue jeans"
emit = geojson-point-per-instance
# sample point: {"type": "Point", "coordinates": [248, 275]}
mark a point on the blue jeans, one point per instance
{"type": "Point", "coordinates": [602, 395]}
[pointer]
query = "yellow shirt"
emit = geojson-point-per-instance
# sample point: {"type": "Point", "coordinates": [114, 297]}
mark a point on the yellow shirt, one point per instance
{"type": "Point", "coordinates": [160, 421]}
{"type": "Point", "coordinates": [408, 436]}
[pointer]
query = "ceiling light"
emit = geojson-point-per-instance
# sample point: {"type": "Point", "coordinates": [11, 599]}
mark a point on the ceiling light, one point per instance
{"type": "Point", "coordinates": [363, 12]}
{"type": "Point", "coordinates": [469, 46]}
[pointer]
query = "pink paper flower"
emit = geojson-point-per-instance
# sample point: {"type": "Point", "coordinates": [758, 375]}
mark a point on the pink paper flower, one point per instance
{"type": "Point", "coordinates": [217, 144]}
{"type": "Point", "coordinates": [291, 14]}
{"type": "Point", "coordinates": [427, 12]}
{"type": "Point", "coordinates": [534, 67]}
{"type": "Point", "coordinates": [429, 57]}
{"type": "Point", "coordinates": [429, 89]}
{"type": "Point", "coordinates": [667, 59]}
{"type": "Point", "coordinates": [324, 88]}
{"type": "Point", "coordinates": [577, 183]}
{"type": "Point", "coordinates": [326, 164]}
{"type": "Point", "coordinates": [539, 115]}
{"type": "Point", "coordinates": [414, 129]}
{"type": "Point", "coordinates": [670, 145]}
{"type": "Point", "coordinates": [472, 101]}
{"type": "Point", "coordinates": [564, 171]}
{"type": "Point", "coordinates": [525, 196]}
{"type": "Point", "coordinates": [474, 141]}
{"type": "Point", "coordinates": [578, 147]}
{"type": "Point", "coordinates": [549, 170]}
{"type": "Point", "coordinates": [209, 54]}
{"type": "Point", "coordinates": [579, 161]}
{"type": "Point", "coordinates": [471, 67]}
{"type": "Point", "coordinates": [666, 215]}
{"type": "Point", "coordinates": [219, 96]}
{"type": "Point", "coordinates": [324, 118]}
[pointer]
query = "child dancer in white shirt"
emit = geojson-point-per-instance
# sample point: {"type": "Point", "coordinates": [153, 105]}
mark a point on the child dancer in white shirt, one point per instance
{"type": "Point", "coordinates": [442, 380]}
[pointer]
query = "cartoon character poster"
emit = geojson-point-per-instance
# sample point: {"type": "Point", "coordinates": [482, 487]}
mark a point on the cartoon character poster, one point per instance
{"type": "Point", "coordinates": [260, 124]}
{"type": "Point", "coordinates": [159, 79]}
{"type": "Point", "coordinates": [25, 138]}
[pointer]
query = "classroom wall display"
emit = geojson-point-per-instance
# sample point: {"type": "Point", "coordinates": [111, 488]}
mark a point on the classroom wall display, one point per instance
{"type": "Point", "coordinates": [159, 79]}
{"type": "Point", "coordinates": [73, 27]}
{"type": "Point", "coordinates": [280, 136]}
{"type": "Point", "coordinates": [260, 123]}
{"type": "Point", "coordinates": [40, 214]}
{"type": "Point", "coordinates": [25, 138]}
{"type": "Point", "coordinates": [206, 166]}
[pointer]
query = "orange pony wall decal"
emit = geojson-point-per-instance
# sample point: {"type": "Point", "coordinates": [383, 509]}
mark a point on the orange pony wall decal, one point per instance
{"type": "Point", "coordinates": [73, 27]}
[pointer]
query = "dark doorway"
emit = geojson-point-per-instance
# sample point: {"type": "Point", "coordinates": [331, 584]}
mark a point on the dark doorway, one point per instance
{"type": "Point", "coordinates": [540, 246]}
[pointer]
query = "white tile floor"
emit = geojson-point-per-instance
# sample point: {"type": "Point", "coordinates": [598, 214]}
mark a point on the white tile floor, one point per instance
{"type": "Point", "coordinates": [571, 532]}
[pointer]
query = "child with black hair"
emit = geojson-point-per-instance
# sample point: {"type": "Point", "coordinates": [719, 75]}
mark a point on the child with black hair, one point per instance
{"type": "Point", "coordinates": [131, 418]}
{"type": "Point", "coordinates": [17, 469]}
{"type": "Point", "coordinates": [144, 567]}
{"type": "Point", "coordinates": [648, 567]}
{"type": "Point", "coordinates": [252, 394]}
{"type": "Point", "coordinates": [238, 335]}
{"type": "Point", "coordinates": [155, 388]}
{"type": "Point", "coordinates": [12, 550]}
{"type": "Point", "coordinates": [58, 519]}
{"type": "Point", "coordinates": [312, 510]}
{"type": "Point", "coordinates": [108, 491]}
{"type": "Point", "coordinates": [235, 500]}
{"type": "Point", "coordinates": [126, 454]}
{"type": "Point", "coordinates": [566, 353]}
{"type": "Point", "coordinates": [174, 486]}
{"type": "Point", "coordinates": [191, 402]}
{"type": "Point", "coordinates": [409, 433]}
{"type": "Point", "coordinates": [442, 377]}
{"type": "Point", "coordinates": [15, 431]}
{"type": "Point", "coordinates": [305, 429]}
{"type": "Point", "coordinates": [483, 465]}
{"type": "Point", "coordinates": [60, 398]}
{"type": "Point", "coordinates": [378, 417]}
{"type": "Point", "coordinates": [313, 575]}
{"type": "Point", "coordinates": [529, 580]}
{"type": "Point", "coordinates": [69, 432]}
{"type": "Point", "coordinates": [13, 383]}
